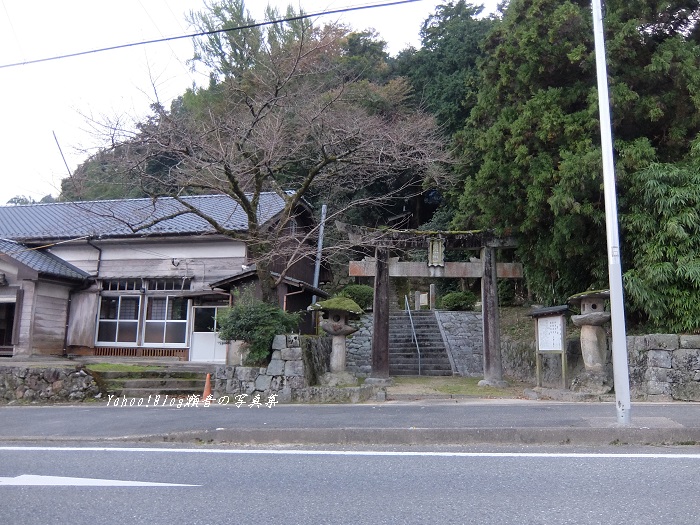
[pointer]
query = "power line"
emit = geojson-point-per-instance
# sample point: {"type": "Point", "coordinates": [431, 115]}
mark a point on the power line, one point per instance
{"type": "Point", "coordinates": [206, 33]}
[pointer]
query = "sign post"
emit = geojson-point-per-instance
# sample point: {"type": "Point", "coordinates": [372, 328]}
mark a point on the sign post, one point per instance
{"type": "Point", "coordinates": [550, 337]}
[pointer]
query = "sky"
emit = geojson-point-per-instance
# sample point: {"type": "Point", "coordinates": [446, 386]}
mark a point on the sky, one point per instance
{"type": "Point", "coordinates": [47, 109]}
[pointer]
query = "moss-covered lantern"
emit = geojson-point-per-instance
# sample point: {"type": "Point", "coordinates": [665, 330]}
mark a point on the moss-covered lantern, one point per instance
{"type": "Point", "coordinates": [337, 312]}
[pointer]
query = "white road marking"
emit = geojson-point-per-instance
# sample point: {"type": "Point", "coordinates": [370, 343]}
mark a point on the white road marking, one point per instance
{"type": "Point", "coordinates": [292, 452]}
{"type": "Point", "coordinates": [56, 481]}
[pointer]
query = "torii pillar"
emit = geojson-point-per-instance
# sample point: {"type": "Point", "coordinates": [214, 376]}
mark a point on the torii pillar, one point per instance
{"type": "Point", "coordinates": [493, 367]}
{"type": "Point", "coordinates": [380, 333]}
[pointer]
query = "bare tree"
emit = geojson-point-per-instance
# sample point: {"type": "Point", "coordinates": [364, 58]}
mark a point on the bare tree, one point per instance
{"type": "Point", "coordinates": [290, 122]}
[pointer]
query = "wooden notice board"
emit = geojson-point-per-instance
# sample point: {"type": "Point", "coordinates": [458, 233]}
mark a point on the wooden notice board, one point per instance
{"type": "Point", "coordinates": [550, 337]}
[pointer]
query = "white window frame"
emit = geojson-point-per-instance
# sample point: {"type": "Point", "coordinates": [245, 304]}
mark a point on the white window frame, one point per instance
{"type": "Point", "coordinates": [184, 322]}
{"type": "Point", "coordinates": [117, 320]}
{"type": "Point", "coordinates": [148, 291]}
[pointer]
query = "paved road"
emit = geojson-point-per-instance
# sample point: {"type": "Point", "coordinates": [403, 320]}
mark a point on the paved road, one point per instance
{"type": "Point", "coordinates": [426, 422]}
{"type": "Point", "coordinates": [348, 487]}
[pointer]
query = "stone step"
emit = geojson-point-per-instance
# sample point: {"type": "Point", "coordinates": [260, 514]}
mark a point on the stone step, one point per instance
{"type": "Point", "coordinates": [414, 361]}
{"type": "Point", "coordinates": [153, 374]}
{"type": "Point", "coordinates": [423, 366]}
{"type": "Point", "coordinates": [424, 371]}
{"type": "Point", "coordinates": [430, 343]}
{"type": "Point", "coordinates": [173, 381]}
{"type": "Point", "coordinates": [414, 356]}
{"type": "Point", "coordinates": [440, 365]}
{"type": "Point", "coordinates": [153, 392]}
{"type": "Point", "coordinates": [411, 351]}
{"type": "Point", "coordinates": [187, 384]}
{"type": "Point", "coordinates": [407, 326]}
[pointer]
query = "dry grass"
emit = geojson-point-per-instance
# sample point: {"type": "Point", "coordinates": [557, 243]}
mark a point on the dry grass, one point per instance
{"type": "Point", "coordinates": [454, 385]}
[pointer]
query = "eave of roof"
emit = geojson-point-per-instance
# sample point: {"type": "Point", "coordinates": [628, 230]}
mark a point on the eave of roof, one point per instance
{"type": "Point", "coordinates": [44, 263]}
{"type": "Point", "coordinates": [252, 274]}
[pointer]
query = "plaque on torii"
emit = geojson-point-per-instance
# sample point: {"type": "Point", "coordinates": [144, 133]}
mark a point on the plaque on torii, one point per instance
{"type": "Point", "coordinates": [485, 268]}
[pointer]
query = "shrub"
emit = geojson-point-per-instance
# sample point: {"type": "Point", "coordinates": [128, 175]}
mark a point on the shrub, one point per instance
{"type": "Point", "coordinates": [256, 323]}
{"type": "Point", "coordinates": [362, 294]}
{"type": "Point", "coordinates": [458, 301]}
{"type": "Point", "coordinates": [663, 228]}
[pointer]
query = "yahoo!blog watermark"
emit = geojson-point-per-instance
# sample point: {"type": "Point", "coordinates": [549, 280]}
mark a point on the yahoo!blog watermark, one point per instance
{"type": "Point", "coordinates": [192, 401]}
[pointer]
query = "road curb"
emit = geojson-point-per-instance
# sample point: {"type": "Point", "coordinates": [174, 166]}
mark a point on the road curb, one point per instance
{"type": "Point", "coordinates": [435, 436]}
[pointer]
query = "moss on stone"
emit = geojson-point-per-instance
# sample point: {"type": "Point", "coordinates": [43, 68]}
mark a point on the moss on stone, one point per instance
{"type": "Point", "coordinates": [343, 304]}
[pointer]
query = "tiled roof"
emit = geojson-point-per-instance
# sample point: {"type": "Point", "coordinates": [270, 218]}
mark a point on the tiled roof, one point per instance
{"type": "Point", "coordinates": [114, 218]}
{"type": "Point", "coordinates": [40, 261]}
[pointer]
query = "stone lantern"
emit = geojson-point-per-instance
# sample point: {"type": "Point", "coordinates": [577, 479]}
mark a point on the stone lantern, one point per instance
{"type": "Point", "coordinates": [594, 341]}
{"type": "Point", "coordinates": [337, 312]}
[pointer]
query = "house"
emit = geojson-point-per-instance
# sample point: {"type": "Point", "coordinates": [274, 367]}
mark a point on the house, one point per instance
{"type": "Point", "coordinates": [132, 277]}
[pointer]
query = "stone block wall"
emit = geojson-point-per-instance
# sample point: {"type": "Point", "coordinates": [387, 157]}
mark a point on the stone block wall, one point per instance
{"type": "Point", "coordinates": [519, 361]}
{"type": "Point", "coordinates": [664, 367]}
{"type": "Point", "coordinates": [281, 377]}
{"type": "Point", "coordinates": [290, 376]}
{"type": "Point", "coordinates": [463, 335]}
{"type": "Point", "coordinates": [358, 354]}
{"type": "Point", "coordinates": [41, 385]}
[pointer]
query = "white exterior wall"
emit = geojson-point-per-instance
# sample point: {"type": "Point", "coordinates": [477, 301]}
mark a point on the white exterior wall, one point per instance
{"type": "Point", "coordinates": [10, 271]}
{"type": "Point", "coordinates": [203, 261]}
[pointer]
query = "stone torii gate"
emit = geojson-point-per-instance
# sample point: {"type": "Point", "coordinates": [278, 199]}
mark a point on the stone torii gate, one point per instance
{"type": "Point", "coordinates": [436, 267]}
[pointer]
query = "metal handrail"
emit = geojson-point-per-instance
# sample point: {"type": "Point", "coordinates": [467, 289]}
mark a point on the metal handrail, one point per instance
{"type": "Point", "coordinates": [413, 331]}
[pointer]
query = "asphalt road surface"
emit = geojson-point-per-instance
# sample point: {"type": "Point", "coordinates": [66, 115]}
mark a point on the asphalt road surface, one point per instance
{"type": "Point", "coordinates": [152, 486]}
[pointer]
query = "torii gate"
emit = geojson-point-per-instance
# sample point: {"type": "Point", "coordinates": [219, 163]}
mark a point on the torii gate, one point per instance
{"type": "Point", "coordinates": [436, 243]}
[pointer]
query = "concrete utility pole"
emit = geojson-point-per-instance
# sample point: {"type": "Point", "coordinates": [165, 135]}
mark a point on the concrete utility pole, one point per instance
{"type": "Point", "coordinates": [617, 305]}
{"type": "Point", "coordinates": [319, 250]}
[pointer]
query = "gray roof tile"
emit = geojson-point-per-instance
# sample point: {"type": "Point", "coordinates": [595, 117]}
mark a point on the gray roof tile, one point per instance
{"type": "Point", "coordinates": [40, 261]}
{"type": "Point", "coordinates": [113, 218]}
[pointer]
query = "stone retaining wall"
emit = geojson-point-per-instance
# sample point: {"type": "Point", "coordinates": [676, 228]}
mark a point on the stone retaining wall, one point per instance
{"type": "Point", "coordinates": [41, 385]}
{"type": "Point", "coordinates": [288, 378]}
{"type": "Point", "coordinates": [358, 354]}
{"type": "Point", "coordinates": [462, 333]}
{"type": "Point", "coordinates": [664, 367]}
{"type": "Point", "coordinates": [518, 358]}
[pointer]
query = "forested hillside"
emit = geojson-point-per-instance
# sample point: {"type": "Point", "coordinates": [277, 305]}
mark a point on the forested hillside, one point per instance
{"type": "Point", "coordinates": [492, 123]}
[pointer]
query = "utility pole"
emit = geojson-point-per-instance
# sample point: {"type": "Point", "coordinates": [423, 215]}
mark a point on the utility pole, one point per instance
{"type": "Point", "coordinates": [617, 305]}
{"type": "Point", "coordinates": [319, 250]}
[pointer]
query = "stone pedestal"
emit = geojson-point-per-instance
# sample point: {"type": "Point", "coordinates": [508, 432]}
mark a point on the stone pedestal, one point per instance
{"type": "Point", "coordinates": [379, 381]}
{"type": "Point", "coordinates": [591, 382]}
{"type": "Point", "coordinates": [593, 347]}
{"type": "Point", "coordinates": [338, 354]}
{"type": "Point", "coordinates": [340, 379]}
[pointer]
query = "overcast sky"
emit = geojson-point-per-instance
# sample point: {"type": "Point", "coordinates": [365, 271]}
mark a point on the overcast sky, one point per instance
{"type": "Point", "coordinates": [59, 97]}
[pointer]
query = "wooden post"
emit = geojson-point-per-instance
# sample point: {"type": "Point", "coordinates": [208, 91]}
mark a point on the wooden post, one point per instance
{"type": "Point", "coordinates": [380, 335]}
{"type": "Point", "coordinates": [493, 369]}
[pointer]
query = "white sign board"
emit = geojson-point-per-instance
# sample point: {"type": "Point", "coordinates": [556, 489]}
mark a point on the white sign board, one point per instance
{"type": "Point", "coordinates": [550, 333]}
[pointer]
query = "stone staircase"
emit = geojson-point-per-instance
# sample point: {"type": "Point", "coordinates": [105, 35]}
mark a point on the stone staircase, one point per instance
{"type": "Point", "coordinates": [180, 380]}
{"type": "Point", "coordinates": [403, 356]}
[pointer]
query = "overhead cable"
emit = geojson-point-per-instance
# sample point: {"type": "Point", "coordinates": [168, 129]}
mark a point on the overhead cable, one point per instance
{"type": "Point", "coordinates": [206, 33]}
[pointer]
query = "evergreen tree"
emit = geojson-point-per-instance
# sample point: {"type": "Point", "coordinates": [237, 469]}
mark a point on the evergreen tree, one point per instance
{"type": "Point", "coordinates": [530, 151]}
